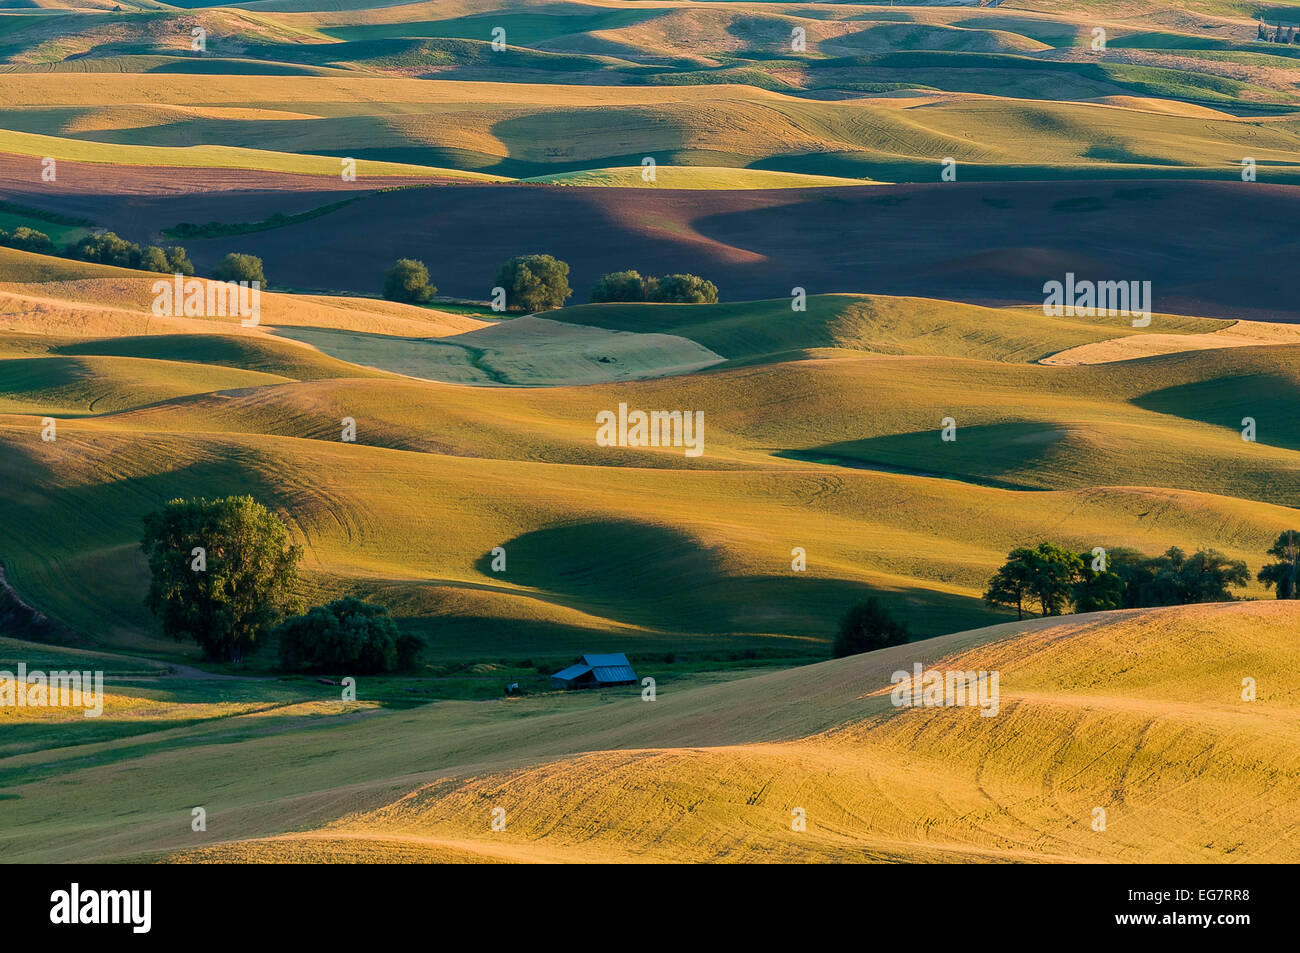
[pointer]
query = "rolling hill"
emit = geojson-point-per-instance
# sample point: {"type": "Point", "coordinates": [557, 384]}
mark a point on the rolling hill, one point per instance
{"type": "Point", "coordinates": [882, 405]}
{"type": "Point", "coordinates": [1139, 713]}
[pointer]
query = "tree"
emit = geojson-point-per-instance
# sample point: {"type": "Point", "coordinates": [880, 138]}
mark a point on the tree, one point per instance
{"type": "Point", "coordinates": [1208, 574]}
{"type": "Point", "coordinates": [1097, 589]}
{"type": "Point", "coordinates": [223, 572]}
{"type": "Point", "coordinates": [239, 267]}
{"type": "Point", "coordinates": [534, 283]}
{"type": "Point", "coordinates": [619, 286]}
{"type": "Point", "coordinates": [408, 280]}
{"type": "Point", "coordinates": [28, 239]}
{"type": "Point", "coordinates": [684, 289]}
{"type": "Point", "coordinates": [1203, 577]}
{"type": "Point", "coordinates": [1135, 571]}
{"type": "Point", "coordinates": [1011, 584]}
{"type": "Point", "coordinates": [106, 249]}
{"type": "Point", "coordinates": [178, 261]}
{"type": "Point", "coordinates": [866, 627]}
{"type": "Point", "coordinates": [346, 635]}
{"type": "Point", "coordinates": [1055, 572]}
{"type": "Point", "coordinates": [154, 258]}
{"type": "Point", "coordinates": [1285, 571]}
{"type": "Point", "coordinates": [1046, 574]}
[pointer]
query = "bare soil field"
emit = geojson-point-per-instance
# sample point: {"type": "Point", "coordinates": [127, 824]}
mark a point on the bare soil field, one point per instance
{"type": "Point", "coordinates": [139, 201]}
{"type": "Point", "coordinates": [1221, 249]}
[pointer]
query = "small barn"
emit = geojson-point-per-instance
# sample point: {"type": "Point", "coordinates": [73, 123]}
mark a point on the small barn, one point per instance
{"type": "Point", "coordinates": [596, 671]}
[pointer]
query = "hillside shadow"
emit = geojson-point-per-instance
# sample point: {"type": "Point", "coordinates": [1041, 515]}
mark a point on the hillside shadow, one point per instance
{"type": "Point", "coordinates": [996, 455]}
{"type": "Point", "coordinates": [653, 576]}
{"type": "Point", "coordinates": [1273, 400]}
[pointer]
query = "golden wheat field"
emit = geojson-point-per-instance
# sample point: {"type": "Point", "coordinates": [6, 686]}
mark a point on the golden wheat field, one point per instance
{"type": "Point", "coordinates": [649, 431]}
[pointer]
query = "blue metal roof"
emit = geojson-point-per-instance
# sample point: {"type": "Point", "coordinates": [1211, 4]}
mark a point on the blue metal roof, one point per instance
{"type": "Point", "coordinates": [610, 660]}
{"type": "Point", "coordinates": [572, 672]}
{"type": "Point", "coordinates": [608, 667]}
{"type": "Point", "coordinates": [611, 667]}
{"type": "Point", "coordinates": [614, 673]}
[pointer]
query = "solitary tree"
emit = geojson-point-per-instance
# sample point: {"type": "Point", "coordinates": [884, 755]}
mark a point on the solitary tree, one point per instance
{"type": "Point", "coordinates": [408, 280]}
{"type": "Point", "coordinates": [534, 283]}
{"type": "Point", "coordinates": [223, 572]}
{"type": "Point", "coordinates": [1285, 571]}
{"type": "Point", "coordinates": [866, 627]}
{"type": "Point", "coordinates": [240, 267]}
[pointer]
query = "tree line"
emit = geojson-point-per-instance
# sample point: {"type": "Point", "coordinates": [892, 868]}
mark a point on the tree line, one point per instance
{"type": "Point", "coordinates": [109, 248]}
{"type": "Point", "coordinates": [541, 283]}
{"type": "Point", "coordinates": [1051, 579]}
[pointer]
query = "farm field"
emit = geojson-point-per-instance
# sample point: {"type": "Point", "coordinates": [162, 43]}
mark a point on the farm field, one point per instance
{"type": "Point", "coordinates": [613, 779]}
{"type": "Point", "coordinates": [872, 201]}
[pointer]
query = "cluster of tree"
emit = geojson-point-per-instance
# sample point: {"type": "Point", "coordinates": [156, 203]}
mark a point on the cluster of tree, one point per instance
{"type": "Point", "coordinates": [27, 239]}
{"type": "Point", "coordinates": [112, 249]}
{"type": "Point", "coordinates": [866, 627]}
{"type": "Point", "coordinates": [408, 280]}
{"type": "Point", "coordinates": [541, 283]}
{"type": "Point", "coordinates": [346, 635]}
{"type": "Point", "coordinates": [223, 574]}
{"type": "Point", "coordinates": [1280, 33]}
{"type": "Point", "coordinates": [534, 283]}
{"type": "Point", "coordinates": [630, 286]}
{"type": "Point", "coordinates": [1051, 579]}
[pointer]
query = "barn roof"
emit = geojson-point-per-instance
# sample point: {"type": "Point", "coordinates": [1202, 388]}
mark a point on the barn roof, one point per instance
{"type": "Point", "coordinates": [608, 667]}
{"type": "Point", "coordinates": [572, 672]}
{"type": "Point", "coordinates": [612, 667]}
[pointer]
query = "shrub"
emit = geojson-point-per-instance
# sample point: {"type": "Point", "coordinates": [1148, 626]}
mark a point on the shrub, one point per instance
{"type": "Point", "coordinates": [408, 280]}
{"type": "Point", "coordinates": [106, 249]}
{"type": "Point", "coordinates": [346, 635]}
{"type": "Point", "coordinates": [867, 627]}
